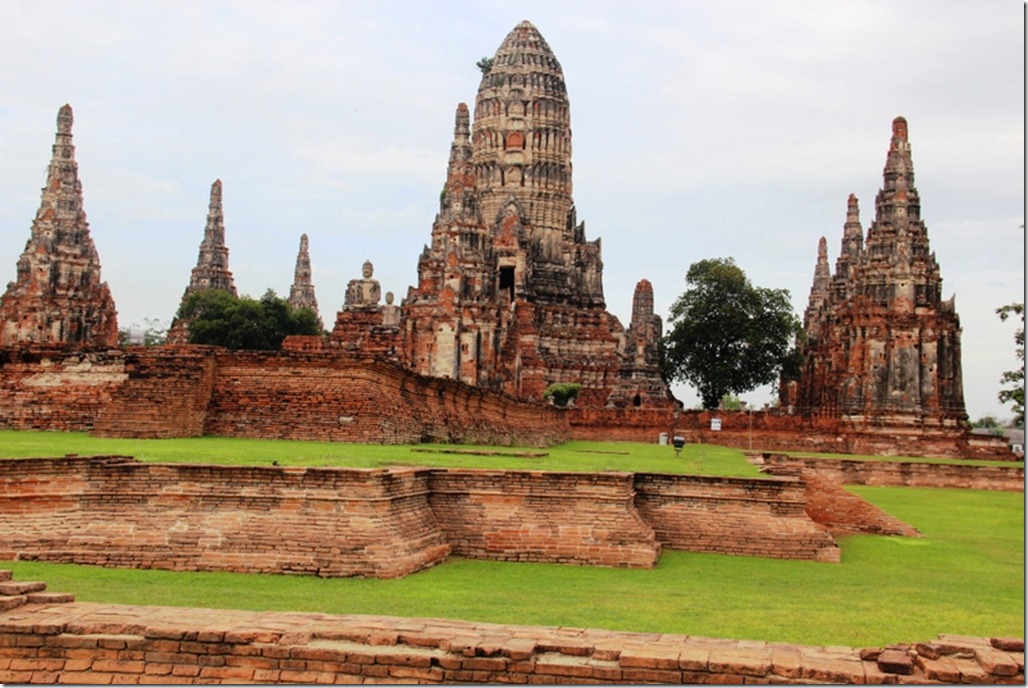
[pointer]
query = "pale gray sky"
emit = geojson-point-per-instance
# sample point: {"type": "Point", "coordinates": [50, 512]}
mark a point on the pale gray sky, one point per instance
{"type": "Point", "coordinates": [701, 129]}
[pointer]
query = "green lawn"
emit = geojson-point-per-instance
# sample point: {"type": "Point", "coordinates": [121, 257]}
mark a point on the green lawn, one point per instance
{"type": "Point", "coordinates": [574, 456]}
{"type": "Point", "coordinates": [965, 576]}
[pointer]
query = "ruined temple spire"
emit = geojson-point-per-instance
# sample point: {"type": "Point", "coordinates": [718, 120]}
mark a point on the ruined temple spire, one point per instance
{"type": "Point", "coordinates": [301, 294]}
{"type": "Point", "coordinates": [819, 290]}
{"type": "Point", "coordinates": [211, 271]}
{"type": "Point", "coordinates": [459, 196]}
{"type": "Point", "coordinates": [58, 297]}
{"type": "Point", "coordinates": [883, 344]}
{"type": "Point", "coordinates": [522, 132]}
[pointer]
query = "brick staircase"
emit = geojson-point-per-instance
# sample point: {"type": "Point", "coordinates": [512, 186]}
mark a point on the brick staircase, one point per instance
{"type": "Point", "coordinates": [14, 594]}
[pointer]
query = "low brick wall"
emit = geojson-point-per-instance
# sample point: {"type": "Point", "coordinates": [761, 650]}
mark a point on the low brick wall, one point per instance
{"type": "Point", "coordinates": [897, 473]}
{"type": "Point", "coordinates": [43, 640]}
{"type": "Point", "coordinates": [733, 516]}
{"type": "Point", "coordinates": [778, 431]}
{"type": "Point", "coordinates": [568, 518]}
{"type": "Point", "coordinates": [52, 389]}
{"type": "Point", "coordinates": [187, 391]}
{"type": "Point", "coordinates": [114, 511]}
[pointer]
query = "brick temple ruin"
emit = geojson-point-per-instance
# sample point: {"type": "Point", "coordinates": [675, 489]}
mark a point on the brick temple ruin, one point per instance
{"type": "Point", "coordinates": [881, 344]}
{"type": "Point", "coordinates": [509, 300]}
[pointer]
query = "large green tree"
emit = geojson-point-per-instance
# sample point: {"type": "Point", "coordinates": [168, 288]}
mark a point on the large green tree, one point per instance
{"type": "Point", "coordinates": [727, 336]}
{"type": "Point", "coordinates": [1014, 394]}
{"type": "Point", "coordinates": [217, 317]}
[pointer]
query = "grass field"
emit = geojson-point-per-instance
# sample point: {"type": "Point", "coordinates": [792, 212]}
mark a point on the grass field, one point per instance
{"type": "Point", "coordinates": [966, 575]}
{"type": "Point", "coordinates": [574, 456]}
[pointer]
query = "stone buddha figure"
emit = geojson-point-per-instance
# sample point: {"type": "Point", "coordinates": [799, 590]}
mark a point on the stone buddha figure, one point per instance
{"type": "Point", "coordinates": [363, 293]}
{"type": "Point", "coordinates": [390, 312]}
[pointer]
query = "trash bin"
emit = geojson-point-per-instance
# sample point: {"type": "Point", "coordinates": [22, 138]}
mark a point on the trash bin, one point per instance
{"type": "Point", "coordinates": [663, 439]}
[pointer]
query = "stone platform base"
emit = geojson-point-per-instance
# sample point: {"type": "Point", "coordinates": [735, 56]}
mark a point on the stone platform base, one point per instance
{"type": "Point", "coordinates": [86, 643]}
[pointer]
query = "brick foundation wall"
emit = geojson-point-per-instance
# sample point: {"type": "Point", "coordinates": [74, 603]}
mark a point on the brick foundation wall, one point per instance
{"type": "Point", "coordinates": [896, 473]}
{"type": "Point", "coordinates": [569, 518]}
{"type": "Point", "coordinates": [181, 391]}
{"type": "Point", "coordinates": [52, 389]}
{"type": "Point", "coordinates": [166, 394]}
{"type": "Point", "coordinates": [775, 431]}
{"type": "Point", "coordinates": [46, 640]}
{"type": "Point", "coordinates": [733, 516]}
{"type": "Point", "coordinates": [114, 511]}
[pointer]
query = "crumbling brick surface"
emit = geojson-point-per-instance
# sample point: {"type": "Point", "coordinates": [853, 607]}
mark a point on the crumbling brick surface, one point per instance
{"type": "Point", "coordinates": [115, 511]}
{"type": "Point", "coordinates": [82, 642]}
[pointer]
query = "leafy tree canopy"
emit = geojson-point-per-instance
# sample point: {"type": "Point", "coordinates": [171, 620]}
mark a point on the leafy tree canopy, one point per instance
{"type": "Point", "coordinates": [219, 318]}
{"type": "Point", "coordinates": [1015, 393]}
{"type": "Point", "coordinates": [727, 336]}
{"type": "Point", "coordinates": [562, 392]}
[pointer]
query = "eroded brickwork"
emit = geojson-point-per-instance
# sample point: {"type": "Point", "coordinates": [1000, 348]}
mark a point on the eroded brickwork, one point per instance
{"type": "Point", "coordinates": [115, 511]}
{"type": "Point", "coordinates": [58, 296]}
{"type": "Point", "coordinates": [301, 393]}
{"type": "Point", "coordinates": [59, 640]}
{"type": "Point", "coordinates": [510, 292]}
{"type": "Point", "coordinates": [882, 347]}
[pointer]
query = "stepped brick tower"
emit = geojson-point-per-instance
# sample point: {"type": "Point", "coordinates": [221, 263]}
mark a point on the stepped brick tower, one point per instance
{"type": "Point", "coordinates": [639, 382]}
{"type": "Point", "coordinates": [881, 344]}
{"type": "Point", "coordinates": [510, 294]}
{"type": "Point", "coordinates": [301, 293]}
{"type": "Point", "coordinates": [58, 297]}
{"type": "Point", "coordinates": [211, 271]}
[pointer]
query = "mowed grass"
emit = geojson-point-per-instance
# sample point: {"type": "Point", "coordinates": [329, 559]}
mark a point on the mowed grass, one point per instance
{"type": "Point", "coordinates": [700, 459]}
{"type": "Point", "coordinates": [965, 575]}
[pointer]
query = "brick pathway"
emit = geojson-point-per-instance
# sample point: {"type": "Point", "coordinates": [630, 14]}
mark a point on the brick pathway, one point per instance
{"type": "Point", "coordinates": [47, 638]}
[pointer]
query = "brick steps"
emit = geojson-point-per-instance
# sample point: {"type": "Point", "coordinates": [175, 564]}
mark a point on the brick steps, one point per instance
{"type": "Point", "coordinates": [14, 594]}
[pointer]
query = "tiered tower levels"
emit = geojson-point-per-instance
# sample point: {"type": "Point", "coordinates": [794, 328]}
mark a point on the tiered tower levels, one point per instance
{"type": "Point", "coordinates": [58, 296]}
{"type": "Point", "coordinates": [881, 344]}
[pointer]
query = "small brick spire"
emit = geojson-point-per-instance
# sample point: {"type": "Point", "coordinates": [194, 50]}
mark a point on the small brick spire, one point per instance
{"type": "Point", "coordinates": [211, 271]}
{"type": "Point", "coordinates": [301, 294]}
{"type": "Point", "coordinates": [822, 281]}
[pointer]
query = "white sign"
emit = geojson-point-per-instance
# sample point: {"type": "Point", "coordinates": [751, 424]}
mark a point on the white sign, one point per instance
{"type": "Point", "coordinates": [715, 424]}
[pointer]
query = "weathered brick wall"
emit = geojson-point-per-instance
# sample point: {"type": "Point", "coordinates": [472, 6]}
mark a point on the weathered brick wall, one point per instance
{"type": "Point", "coordinates": [177, 391]}
{"type": "Point", "coordinates": [897, 473]}
{"type": "Point", "coordinates": [732, 516]}
{"type": "Point", "coordinates": [52, 389]}
{"type": "Point", "coordinates": [166, 394]}
{"type": "Point", "coordinates": [43, 640]}
{"type": "Point", "coordinates": [774, 431]}
{"type": "Point", "coordinates": [575, 518]}
{"type": "Point", "coordinates": [338, 397]}
{"type": "Point", "coordinates": [115, 511]}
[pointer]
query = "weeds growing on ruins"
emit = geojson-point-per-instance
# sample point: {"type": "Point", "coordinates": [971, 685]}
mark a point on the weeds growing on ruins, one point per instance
{"type": "Point", "coordinates": [964, 576]}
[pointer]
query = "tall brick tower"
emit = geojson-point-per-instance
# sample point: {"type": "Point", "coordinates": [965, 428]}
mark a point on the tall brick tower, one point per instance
{"type": "Point", "coordinates": [301, 293]}
{"type": "Point", "coordinates": [882, 346]}
{"type": "Point", "coordinates": [211, 271]}
{"type": "Point", "coordinates": [58, 297]}
{"type": "Point", "coordinates": [510, 294]}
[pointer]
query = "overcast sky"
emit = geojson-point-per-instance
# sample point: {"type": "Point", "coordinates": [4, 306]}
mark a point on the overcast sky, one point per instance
{"type": "Point", "coordinates": [701, 129]}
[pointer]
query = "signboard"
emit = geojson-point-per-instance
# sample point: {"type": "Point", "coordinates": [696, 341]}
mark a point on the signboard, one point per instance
{"type": "Point", "coordinates": [715, 424]}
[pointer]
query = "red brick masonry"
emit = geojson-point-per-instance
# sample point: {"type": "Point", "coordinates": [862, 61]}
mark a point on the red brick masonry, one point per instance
{"type": "Point", "coordinates": [49, 639]}
{"type": "Point", "coordinates": [115, 511]}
